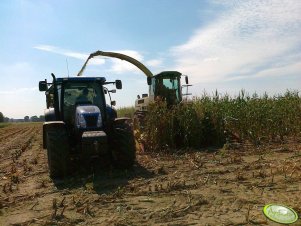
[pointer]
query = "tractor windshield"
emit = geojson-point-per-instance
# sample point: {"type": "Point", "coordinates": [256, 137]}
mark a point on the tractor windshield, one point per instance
{"type": "Point", "coordinates": [81, 93]}
{"type": "Point", "coordinates": [168, 89]}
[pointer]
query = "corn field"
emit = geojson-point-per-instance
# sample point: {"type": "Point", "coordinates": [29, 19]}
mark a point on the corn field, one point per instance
{"type": "Point", "coordinates": [220, 119]}
{"type": "Point", "coordinates": [126, 112]}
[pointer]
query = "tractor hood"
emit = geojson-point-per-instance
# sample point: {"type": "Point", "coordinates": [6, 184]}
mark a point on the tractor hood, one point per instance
{"type": "Point", "coordinates": [88, 117]}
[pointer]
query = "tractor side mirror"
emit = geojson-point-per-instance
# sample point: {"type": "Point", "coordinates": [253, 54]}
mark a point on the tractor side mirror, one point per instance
{"type": "Point", "coordinates": [149, 81]}
{"type": "Point", "coordinates": [113, 102]}
{"type": "Point", "coordinates": [186, 79]}
{"type": "Point", "coordinates": [118, 84]}
{"type": "Point", "coordinates": [113, 91]}
{"type": "Point", "coordinates": [138, 96]}
{"type": "Point", "coordinates": [43, 85]}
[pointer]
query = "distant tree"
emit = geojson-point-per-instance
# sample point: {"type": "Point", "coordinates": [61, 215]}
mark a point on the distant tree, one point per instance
{"type": "Point", "coordinates": [34, 118]}
{"type": "Point", "coordinates": [42, 118]}
{"type": "Point", "coordinates": [1, 117]}
{"type": "Point", "coordinates": [26, 119]}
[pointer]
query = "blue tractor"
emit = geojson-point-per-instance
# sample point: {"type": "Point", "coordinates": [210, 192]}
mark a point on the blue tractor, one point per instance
{"type": "Point", "coordinates": [79, 124]}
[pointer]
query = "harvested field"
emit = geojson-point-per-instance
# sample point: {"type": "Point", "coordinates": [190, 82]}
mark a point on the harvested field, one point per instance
{"type": "Point", "coordinates": [205, 187]}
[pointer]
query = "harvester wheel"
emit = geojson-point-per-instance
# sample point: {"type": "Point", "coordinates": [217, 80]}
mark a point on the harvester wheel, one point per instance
{"type": "Point", "coordinates": [58, 152]}
{"type": "Point", "coordinates": [123, 144]}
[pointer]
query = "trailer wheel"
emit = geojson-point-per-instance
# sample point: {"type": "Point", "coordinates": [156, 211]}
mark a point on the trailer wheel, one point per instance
{"type": "Point", "coordinates": [58, 152]}
{"type": "Point", "coordinates": [123, 144]}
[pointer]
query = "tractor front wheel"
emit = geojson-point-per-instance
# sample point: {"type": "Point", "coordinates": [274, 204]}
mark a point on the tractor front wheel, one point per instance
{"type": "Point", "coordinates": [58, 152]}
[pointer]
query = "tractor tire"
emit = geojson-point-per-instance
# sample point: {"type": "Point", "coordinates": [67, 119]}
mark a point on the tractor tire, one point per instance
{"type": "Point", "coordinates": [123, 144]}
{"type": "Point", "coordinates": [58, 153]}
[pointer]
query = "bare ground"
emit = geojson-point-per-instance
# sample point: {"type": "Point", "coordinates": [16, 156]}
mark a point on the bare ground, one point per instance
{"type": "Point", "coordinates": [205, 187]}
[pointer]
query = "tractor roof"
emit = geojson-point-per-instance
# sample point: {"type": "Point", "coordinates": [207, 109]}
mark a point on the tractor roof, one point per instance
{"type": "Point", "coordinates": [169, 74]}
{"type": "Point", "coordinates": [82, 79]}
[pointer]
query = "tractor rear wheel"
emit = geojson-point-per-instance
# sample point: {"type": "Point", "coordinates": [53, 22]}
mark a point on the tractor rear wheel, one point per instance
{"type": "Point", "coordinates": [58, 152]}
{"type": "Point", "coordinates": [123, 144]}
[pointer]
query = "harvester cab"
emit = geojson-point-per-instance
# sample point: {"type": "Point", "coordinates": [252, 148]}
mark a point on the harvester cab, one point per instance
{"type": "Point", "coordinates": [79, 122]}
{"type": "Point", "coordinates": [165, 86]}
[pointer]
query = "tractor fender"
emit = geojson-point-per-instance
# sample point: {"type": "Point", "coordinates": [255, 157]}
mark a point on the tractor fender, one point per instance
{"type": "Point", "coordinates": [54, 125]}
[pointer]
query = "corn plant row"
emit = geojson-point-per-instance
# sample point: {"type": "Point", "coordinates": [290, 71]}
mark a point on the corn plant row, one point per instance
{"type": "Point", "coordinates": [126, 112]}
{"type": "Point", "coordinates": [218, 119]}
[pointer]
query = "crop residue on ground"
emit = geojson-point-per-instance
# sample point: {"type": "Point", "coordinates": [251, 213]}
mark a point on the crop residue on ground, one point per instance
{"type": "Point", "coordinates": [213, 187]}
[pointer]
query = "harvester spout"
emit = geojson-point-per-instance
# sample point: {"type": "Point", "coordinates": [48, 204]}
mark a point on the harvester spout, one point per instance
{"type": "Point", "coordinates": [120, 56]}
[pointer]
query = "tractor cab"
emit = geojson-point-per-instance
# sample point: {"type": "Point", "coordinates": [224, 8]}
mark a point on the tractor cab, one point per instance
{"type": "Point", "coordinates": [83, 104]}
{"type": "Point", "coordinates": [79, 102]}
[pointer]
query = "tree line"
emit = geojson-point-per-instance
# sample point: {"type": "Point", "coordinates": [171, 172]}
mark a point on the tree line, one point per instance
{"type": "Point", "coordinates": [34, 118]}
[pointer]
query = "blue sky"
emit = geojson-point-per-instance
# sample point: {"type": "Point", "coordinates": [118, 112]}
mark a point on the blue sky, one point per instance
{"type": "Point", "coordinates": [224, 45]}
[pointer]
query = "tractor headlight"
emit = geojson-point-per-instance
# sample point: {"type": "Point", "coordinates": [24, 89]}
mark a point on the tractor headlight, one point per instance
{"type": "Point", "coordinates": [81, 121]}
{"type": "Point", "coordinates": [99, 121]}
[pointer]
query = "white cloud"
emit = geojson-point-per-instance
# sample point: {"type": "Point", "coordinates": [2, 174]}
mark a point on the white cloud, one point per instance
{"type": "Point", "coordinates": [69, 53]}
{"type": "Point", "coordinates": [212, 59]}
{"type": "Point", "coordinates": [251, 38]}
{"type": "Point", "coordinates": [120, 66]}
{"type": "Point", "coordinates": [154, 63]}
{"type": "Point", "coordinates": [116, 65]}
{"type": "Point", "coordinates": [19, 91]}
{"type": "Point", "coordinates": [286, 70]}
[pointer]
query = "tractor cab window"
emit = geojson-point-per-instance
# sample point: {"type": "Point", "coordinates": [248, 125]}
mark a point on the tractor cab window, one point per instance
{"type": "Point", "coordinates": [168, 89]}
{"type": "Point", "coordinates": [81, 93]}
